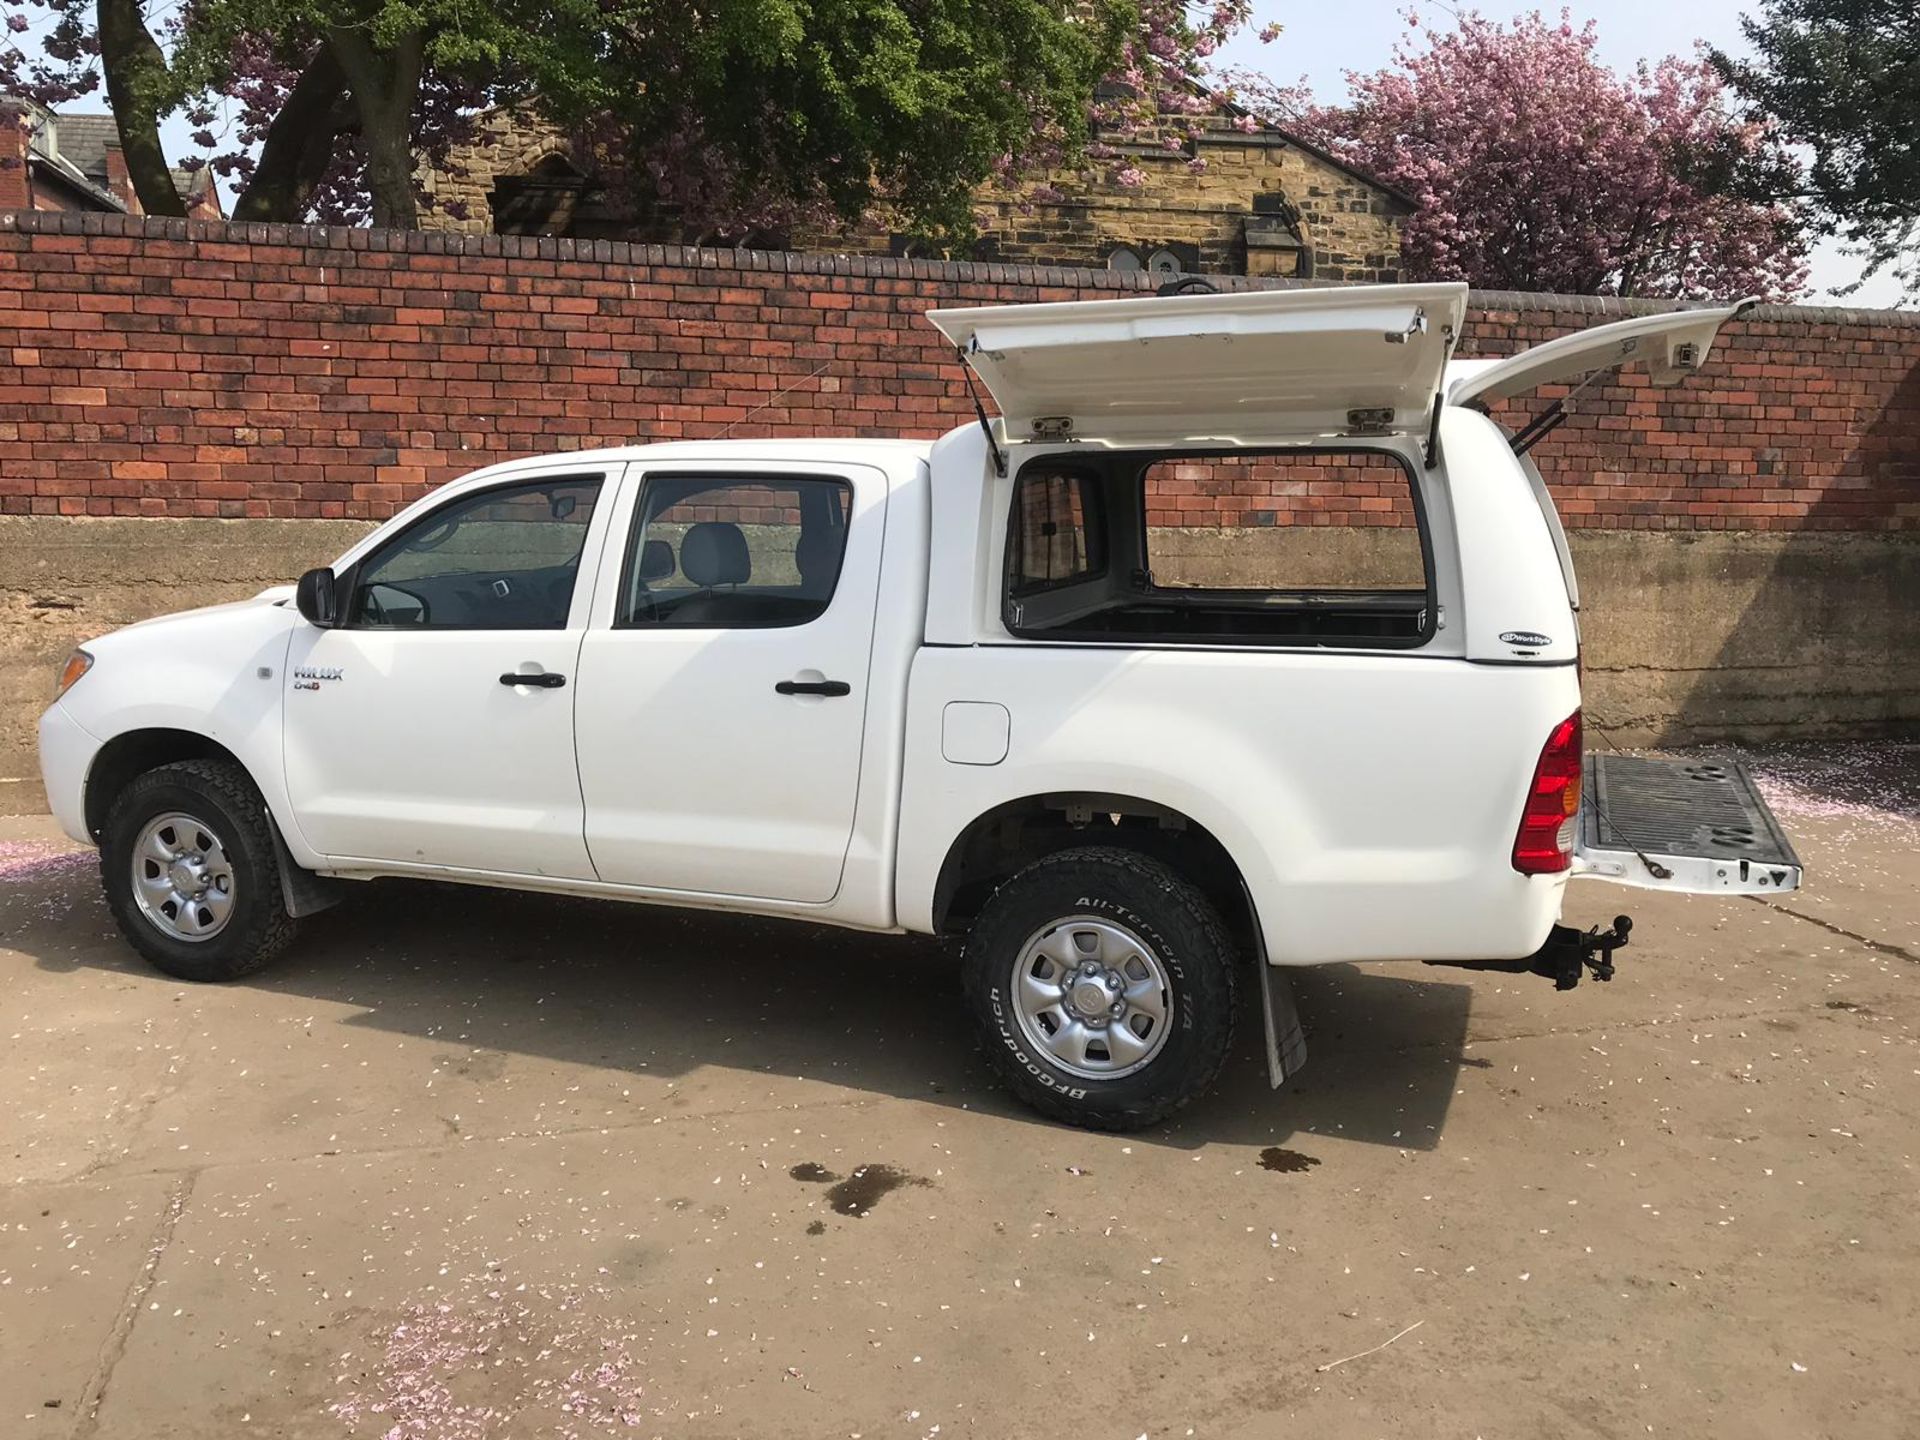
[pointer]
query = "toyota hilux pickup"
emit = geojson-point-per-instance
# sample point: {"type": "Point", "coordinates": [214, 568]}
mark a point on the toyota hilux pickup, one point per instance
{"type": "Point", "coordinates": [1241, 639]}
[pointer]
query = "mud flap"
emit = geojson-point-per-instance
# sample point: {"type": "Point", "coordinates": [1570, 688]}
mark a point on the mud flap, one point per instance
{"type": "Point", "coordinates": [1286, 1044]}
{"type": "Point", "coordinates": [301, 891]}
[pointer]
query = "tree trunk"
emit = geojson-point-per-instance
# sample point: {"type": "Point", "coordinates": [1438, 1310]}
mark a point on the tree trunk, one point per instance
{"type": "Point", "coordinates": [390, 174]}
{"type": "Point", "coordinates": [299, 147]}
{"type": "Point", "coordinates": [136, 74]}
{"type": "Point", "coordinates": [385, 86]}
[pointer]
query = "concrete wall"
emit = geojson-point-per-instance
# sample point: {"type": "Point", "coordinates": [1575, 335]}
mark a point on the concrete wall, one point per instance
{"type": "Point", "coordinates": [63, 581]}
{"type": "Point", "coordinates": [1689, 636]}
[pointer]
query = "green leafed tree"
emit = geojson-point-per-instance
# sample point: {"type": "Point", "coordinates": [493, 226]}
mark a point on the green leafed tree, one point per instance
{"type": "Point", "coordinates": [1842, 77]}
{"type": "Point", "coordinates": [371, 59]}
{"type": "Point", "coordinates": [760, 114]}
{"type": "Point", "coordinates": [739, 115]}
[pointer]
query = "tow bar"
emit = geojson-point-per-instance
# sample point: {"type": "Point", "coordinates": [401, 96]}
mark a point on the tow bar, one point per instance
{"type": "Point", "coordinates": [1567, 955]}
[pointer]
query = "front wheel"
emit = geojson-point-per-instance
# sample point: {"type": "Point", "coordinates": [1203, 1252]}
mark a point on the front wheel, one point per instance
{"type": "Point", "coordinates": [191, 873]}
{"type": "Point", "coordinates": [1105, 984]}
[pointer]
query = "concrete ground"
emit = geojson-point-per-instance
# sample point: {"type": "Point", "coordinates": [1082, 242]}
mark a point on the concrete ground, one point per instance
{"type": "Point", "coordinates": [470, 1165]}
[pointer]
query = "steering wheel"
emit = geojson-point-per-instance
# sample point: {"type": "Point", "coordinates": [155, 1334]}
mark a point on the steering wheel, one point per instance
{"type": "Point", "coordinates": [433, 539]}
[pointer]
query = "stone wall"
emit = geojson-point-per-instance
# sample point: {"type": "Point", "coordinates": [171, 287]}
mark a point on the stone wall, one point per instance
{"type": "Point", "coordinates": [1232, 201]}
{"type": "Point", "coordinates": [1256, 203]}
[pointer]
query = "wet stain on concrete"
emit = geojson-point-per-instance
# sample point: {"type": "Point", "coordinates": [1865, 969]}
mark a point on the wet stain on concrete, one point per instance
{"type": "Point", "coordinates": [1285, 1162]}
{"type": "Point", "coordinates": [813, 1174]}
{"type": "Point", "coordinates": [861, 1191]}
{"type": "Point", "coordinates": [818, 1227]}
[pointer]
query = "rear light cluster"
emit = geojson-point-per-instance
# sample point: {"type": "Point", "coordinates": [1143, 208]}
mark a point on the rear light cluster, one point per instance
{"type": "Point", "coordinates": [1544, 845]}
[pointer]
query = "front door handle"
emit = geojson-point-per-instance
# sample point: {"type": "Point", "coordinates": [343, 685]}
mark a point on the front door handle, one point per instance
{"type": "Point", "coordinates": [813, 687]}
{"type": "Point", "coordinates": [545, 680]}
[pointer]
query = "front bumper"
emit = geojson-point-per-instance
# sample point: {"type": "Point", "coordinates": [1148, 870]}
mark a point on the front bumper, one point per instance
{"type": "Point", "coordinates": [66, 754]}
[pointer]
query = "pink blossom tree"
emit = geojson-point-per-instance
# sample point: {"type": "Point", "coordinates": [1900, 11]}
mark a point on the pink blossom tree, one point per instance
{"type": "Point", "coordinates": [1538, 168]}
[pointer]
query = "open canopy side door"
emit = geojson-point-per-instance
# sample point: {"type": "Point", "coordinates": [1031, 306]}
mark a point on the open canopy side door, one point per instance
{"type": "Point", "coordinates": [1670, 347]}
{"type": "Point", "coordinates": [1235, 368]}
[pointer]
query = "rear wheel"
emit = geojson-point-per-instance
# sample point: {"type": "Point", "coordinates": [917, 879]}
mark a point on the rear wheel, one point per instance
{"type": "Point", "coordinates": [1104, 982]}
{"type": "Point", "coordinates": [191, 872]}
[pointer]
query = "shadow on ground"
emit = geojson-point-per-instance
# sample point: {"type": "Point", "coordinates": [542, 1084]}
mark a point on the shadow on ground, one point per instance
{"type": "Point", "coordinates": [666, 992]}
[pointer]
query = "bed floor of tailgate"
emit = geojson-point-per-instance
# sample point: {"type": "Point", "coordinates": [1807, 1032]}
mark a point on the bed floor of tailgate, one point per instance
{"type": "Point", "coordinates": [1697, 826]}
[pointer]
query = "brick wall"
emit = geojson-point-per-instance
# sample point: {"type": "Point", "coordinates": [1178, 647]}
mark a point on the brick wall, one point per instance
{"type": "Point", "coordinates": [154, 367]}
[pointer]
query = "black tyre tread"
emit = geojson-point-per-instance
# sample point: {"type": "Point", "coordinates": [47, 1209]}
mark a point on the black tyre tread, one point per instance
{"type": "Point", "coordinates": [1214, 1014]}
{"type": "Point", "coordinates": [272, 929]}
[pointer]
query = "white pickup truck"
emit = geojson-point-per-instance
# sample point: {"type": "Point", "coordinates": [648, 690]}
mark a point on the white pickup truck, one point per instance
{"type": "Point", "coordinates": [1038, 685]}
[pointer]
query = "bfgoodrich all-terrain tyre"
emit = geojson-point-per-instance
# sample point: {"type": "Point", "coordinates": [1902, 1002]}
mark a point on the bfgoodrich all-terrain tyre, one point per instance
{"type": "Point", "coordinates": [191, 872]}
{"type": "Point", "coordinates": [1104, 982]}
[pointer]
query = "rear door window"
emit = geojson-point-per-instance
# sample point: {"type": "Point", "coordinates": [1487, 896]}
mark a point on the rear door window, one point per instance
{"type": "Point", "coordinates": [725, 552]}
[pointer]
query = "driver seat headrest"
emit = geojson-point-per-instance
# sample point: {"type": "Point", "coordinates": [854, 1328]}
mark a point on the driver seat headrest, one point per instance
{"type": "Point", "coordinates": [714, 552]}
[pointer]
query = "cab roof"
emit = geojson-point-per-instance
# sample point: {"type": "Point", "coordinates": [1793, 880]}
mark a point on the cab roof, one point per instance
{"type": "Point", "coordinates": [814, 448]}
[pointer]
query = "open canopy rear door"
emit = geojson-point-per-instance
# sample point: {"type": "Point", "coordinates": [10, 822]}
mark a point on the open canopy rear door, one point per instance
{"type": "Point", "coordinates": [1239, 367]}
{"type": "Point", "coordinates": [1670, 347]}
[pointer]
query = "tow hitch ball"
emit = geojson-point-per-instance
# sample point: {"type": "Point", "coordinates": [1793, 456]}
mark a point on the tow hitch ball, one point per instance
{"type": "Point", "coordinates": [1569, 953]}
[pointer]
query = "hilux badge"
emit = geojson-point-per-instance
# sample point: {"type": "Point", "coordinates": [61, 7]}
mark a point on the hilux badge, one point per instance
{"type": "Point", "coordinates": [306, 677]}
{"type": "Point", "coordinates": [1525, 639]}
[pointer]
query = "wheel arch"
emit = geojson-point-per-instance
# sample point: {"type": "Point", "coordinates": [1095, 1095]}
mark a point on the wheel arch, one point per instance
{"type": "Point", "coordinates": [134, 752]}
{"type": "Point", "coordinates": [1002, 841]}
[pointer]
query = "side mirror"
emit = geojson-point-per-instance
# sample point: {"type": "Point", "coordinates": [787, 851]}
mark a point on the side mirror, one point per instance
{"type": "Point", "coordinates": [316, 597]}
{"type": "Point", "coordinates": [656, 561]}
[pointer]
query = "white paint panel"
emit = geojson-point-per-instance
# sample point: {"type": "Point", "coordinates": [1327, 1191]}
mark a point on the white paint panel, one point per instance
{"type": "Point", "coordinates": [1509, 566]}
{"type": "Point", "coordinates": [198, 671]}
{"type": "Point", "coordinates": [699, 775]}
{"type": "Point", "coordinates": [1369, 801]}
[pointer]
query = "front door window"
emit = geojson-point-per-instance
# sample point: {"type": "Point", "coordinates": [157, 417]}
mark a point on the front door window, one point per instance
{"type": "Point", "coordinates": [501, 559]}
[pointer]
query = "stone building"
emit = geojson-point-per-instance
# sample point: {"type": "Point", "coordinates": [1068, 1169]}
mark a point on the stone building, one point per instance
{"type": "Point", "coordinates": [1237, 199]}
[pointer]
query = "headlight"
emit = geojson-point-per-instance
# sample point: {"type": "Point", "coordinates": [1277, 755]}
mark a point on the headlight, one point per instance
{"type": "Point", "coordinates": [78, 664]}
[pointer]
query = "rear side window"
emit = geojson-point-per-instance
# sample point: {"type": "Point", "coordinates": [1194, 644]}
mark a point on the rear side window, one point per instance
{"type": "Point", "coordinates": [1057, 535]}
{"type": "Point", "coordinates": [717, 552]}
{"type": "Point", "coordinates": [1258, 548]}
{"type": "Point", "coordinates": [1286, 521]}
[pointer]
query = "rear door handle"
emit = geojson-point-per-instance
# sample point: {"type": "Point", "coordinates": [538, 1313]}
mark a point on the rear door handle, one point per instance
{"type": "Point", "coordinates": [813, 687]}
{"type": "Point", "coordinates": [545, 680]}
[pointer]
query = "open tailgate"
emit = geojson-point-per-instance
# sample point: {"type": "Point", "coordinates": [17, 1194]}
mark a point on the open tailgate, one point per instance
{"type": "Point", "coordinates": [1695, 826]}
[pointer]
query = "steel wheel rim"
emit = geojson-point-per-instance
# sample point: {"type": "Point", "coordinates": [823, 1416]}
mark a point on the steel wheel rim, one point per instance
{"type": "Point", "coordinates": [183, 882]}
{"type": "Point", "coordinates": [1092, 997]}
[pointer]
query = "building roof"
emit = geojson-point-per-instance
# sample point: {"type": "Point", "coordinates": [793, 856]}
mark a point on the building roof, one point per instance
{"type": "Point", "coordinates": [83, 140]}
{"type": "Point", "coordinates": [1227, 108]}
{"type": "Point", "coordinates": [51, 157]}
{"type": "Point", "coordinates": [71, 148]}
